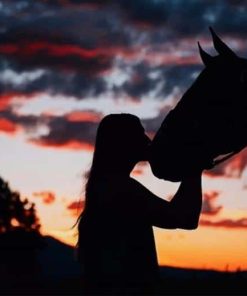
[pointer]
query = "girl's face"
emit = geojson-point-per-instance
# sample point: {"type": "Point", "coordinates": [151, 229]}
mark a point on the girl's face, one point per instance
{"type": "Point", "coordinates": [142, 143]}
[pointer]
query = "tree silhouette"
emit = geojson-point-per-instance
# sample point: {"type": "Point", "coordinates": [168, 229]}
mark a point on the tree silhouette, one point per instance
{"type": "Point", "coordinates": [20, 239]}
{"type": "Point", "coordinates": [15, 212]}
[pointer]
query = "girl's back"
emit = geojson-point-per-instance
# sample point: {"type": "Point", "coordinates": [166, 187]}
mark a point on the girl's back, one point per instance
{"type": "Point", "coordinates": [116, 241]}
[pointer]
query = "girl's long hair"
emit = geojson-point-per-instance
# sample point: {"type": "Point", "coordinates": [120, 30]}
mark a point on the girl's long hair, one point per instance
{"type": "Point", "coordinates": [113, 146]}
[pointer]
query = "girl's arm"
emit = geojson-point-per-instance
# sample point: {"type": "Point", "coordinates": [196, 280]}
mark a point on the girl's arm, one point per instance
{"type": "Point", "coordinates": [182, 211]}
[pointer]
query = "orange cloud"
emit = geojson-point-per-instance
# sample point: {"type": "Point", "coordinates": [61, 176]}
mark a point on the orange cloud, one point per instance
{"type": "Point", "coordinates": [47, 197]}
{"type": "Point", "coordinates": [208, 207]}
{"type": "Point", "coordinates": [76, 207]}
{"type": "Point", "coordinates": [29, 48]}
{"type": "Point", "coordinates": [70, 145]}
{"type": "Point", "coordinates": [5, 101]}
{"type": "Point", "coordinates": [226, 223]}
{"type": "Point", "coordinates": [233, 167]}
{"type": "Point", "coordinates": [54, 55]}
{"type": "Point", "coordinates": [237, 164]}
{"type": "Point", "coordinates": [83, 116]}
{"type": "Point", "coordinates": [7, 126]}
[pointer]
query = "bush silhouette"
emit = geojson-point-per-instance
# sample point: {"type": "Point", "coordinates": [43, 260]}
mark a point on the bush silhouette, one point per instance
{"type": "Point", "coordinates": [15, 212]}
{"type": "Point", "coordinates": [19, 239]}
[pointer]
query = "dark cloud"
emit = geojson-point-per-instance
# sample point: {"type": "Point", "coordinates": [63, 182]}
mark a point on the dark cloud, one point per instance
{"type": "Point", "coordinates": [145, 78]}
{"type": "Point", "coordinates": [183, 17]}
{"type": "Point", "coordinates": [146, 11]}
{"type": "Point", "coordinates": [54, 83]}
{"type": "Point", "coordinates": [74, 42]}
{"type": "Point", "coordinates": [226, 223]}
{"type": "Point", "coordinates": [71, 46]}
{"type": "Point", "coordinates": [71, 134]}
{"type": "Point", "coordinates": [188, 17]}
{"type": "Point", "coordinates": [29, 123]}
{"type": "Point", "coordinates": [80, 85]}
{"type": "Point", "coordinates": [75, 130]}
{"type": "Point", "coordinates": [74, 46]}
{"type": "Point", "coordinates": [140, 83]}
{"type": "Point", "coordinates": [180, 76]}
{"type": "Point", "coordinates": [32, 55]}
{"type": "Point", "coordinates": [68, 3]}
{"type": "Point", "coordinates": [208, 207]}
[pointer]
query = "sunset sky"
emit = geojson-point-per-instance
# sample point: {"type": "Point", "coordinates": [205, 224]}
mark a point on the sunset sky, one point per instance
{"type": "Point", "coordinates": [65, 64]}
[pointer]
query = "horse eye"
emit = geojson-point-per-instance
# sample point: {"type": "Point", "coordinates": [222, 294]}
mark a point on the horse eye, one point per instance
{"type": "Point", "coordinates": [243, 76]}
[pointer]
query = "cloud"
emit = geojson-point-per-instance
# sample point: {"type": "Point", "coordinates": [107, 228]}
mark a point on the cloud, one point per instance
{"type": "Point", "coordinates": [74, 130]}
{"type": "Point", "coordinates": [81, 116]}
{"type": "Point", "coordinates": [47, 197]}
{"type": "Point", "coordinates": [77, 3]}
{"type": "Point", "coordinates": [76, 207]}
{"type": "Point", "coordinates": [7, 126]}
{"type": "Point", "coordinates": [5, 100]}
{"type": "Point", "coordinates": [75, 85]}
{"type": "Point", "coordinates": [147, 12]}
{"type": "Point", "coordinates": [187, 17]}
{"type": "Point", "coordinates": [49, 55]}
{"type": "Point", "coordinates": [57, 48]}
{"type": "Point", "coordinates": [145, 79]}
{"type": "Point", "coordinates": [151, 125]}
{"type": "Point", "coordinates": [232, 168]}
{"type": "Point", "coordinates": [74, 62]}
{"type": "Point", "coordinates": [226, 223]}
{"type": "Point", "coordinates": [208, 207]}
{"type": "Point", "coordinates": [11, 122]}
{"type": "Point", "coordinates": [68, 133]}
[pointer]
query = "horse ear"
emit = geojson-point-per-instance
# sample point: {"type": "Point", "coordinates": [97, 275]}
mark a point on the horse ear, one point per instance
{"type": "Point", "coordinates": [206, 58]}
{"type": "Point", "coordinates": [220, 46]}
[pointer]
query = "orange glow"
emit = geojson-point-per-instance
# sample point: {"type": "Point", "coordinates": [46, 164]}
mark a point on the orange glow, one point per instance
{"type": "Point", "coordinates": [31, 48]}
{"type": "Point", "coordinates": [83, 116]}
{"type": "Point", "coordinates": [14, 222]}
{"type": "Point", "coordinates": [76, 208]}
{"type": "Point", "coordinates": [5, 100]}
{"type": "Point", "coordinates": [213, 246]}
{"type": "Point", "coordinates": [7, 126]}
{"type": "Point", "coordinates": [75, 205]}
{"type": "Point", "coordinates": [58, 50]}
{"type": "Point", "coordinates": [48, 197]}
{"type": "Point", "coordinates": [237, 164]}
{"type": "Point", "coordinates": [203, 248]}
{"type": "Point", "coordinates": [70, 145]}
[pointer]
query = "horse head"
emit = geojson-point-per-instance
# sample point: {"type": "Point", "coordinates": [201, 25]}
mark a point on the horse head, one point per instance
{"type": "Point", "coordinates": [225, 75]}
{"type": "Point", "coordinates": [210, 119]}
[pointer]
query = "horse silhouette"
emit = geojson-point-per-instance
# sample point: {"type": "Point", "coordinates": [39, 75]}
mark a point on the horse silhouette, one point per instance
{"type": "Point", "coordinates": [208, 124]}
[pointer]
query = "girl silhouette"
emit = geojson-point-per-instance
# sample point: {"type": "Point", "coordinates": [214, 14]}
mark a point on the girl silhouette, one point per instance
{"type": "Point", "coordinates": [116, 244]}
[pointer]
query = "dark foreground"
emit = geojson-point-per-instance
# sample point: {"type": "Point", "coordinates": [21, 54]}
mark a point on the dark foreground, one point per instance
{"type": "Point", "coordinates": [53, 270]}
{"type": "Point", "coordinates": [189, 283]}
